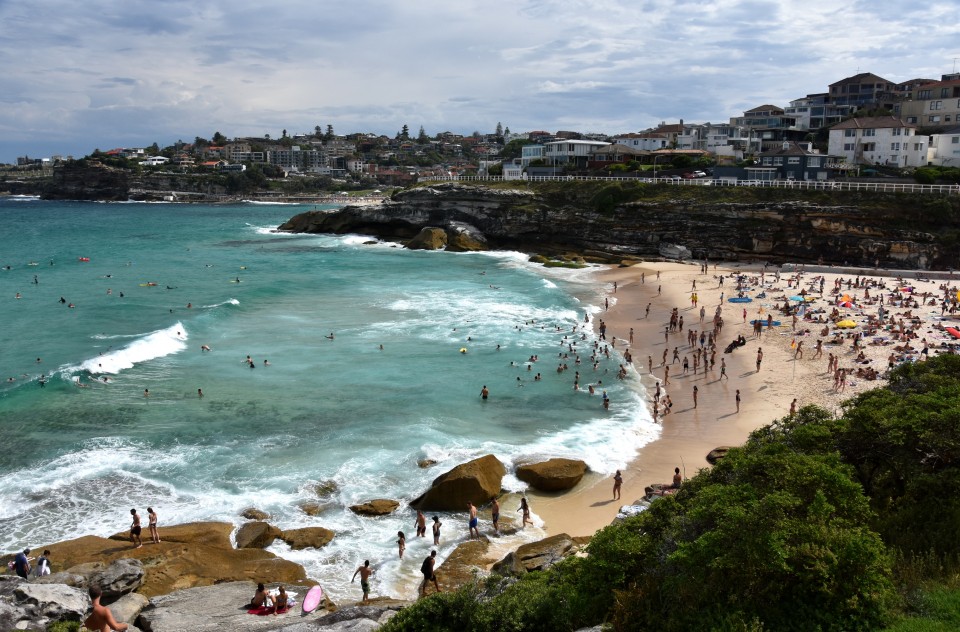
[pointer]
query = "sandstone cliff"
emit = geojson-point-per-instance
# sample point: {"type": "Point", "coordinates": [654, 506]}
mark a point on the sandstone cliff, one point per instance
{"type": "Point", "coordinates": [613, 221]}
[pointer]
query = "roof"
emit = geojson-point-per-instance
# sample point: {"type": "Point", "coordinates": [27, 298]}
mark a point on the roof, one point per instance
{"type": "Point", "coordinates": [763, 107]}
{"type": "Point", "coordinates": [869, 122]}
{"type": "Point", "coordinates": [859, 78]}
{"type": "Point", "coordinates": [793, 149]}
{"type": "Point", "coordinates": [598, 143]}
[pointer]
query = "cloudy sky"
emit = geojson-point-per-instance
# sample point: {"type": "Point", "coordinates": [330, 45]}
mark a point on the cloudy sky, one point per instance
{"type": "Point", "coordinates": [88, 74]}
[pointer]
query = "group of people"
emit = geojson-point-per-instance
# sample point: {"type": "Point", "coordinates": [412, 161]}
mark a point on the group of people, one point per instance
{"type": "Point", "coordinates": [135, 527]}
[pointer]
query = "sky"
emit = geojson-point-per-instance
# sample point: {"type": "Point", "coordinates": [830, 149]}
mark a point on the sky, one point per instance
{"type": "Point", "coordinates": [98, 74]}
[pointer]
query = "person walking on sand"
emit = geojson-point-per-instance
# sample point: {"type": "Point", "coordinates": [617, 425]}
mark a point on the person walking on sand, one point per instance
{"type": "Point", "coordinates": [365, 572]}
{"type": "Point", "coordinates": [793, 406]}
{"type": "Point", "coordinates": [152, 525]}
{"type": "Point", "coordinates": [135, 529]}
{"type": "Point", "coordinates": [436, 531]}
{"type": "Point", "coordinates": [101, 619]}
{"type": "Point", "coordinates": [723, 369]}
{"type": "Point", "coordinates": [473, 520]}
{"type": "Point", "coordinates": [495, 515]}
{"type": "Point", "coordinates": [759, 357]}
{"type": "Point", "coordinates": [421, 524]}
{"type": "Point", "coordinates": [525, 508]}
{"type": "Point", "coordinates": [738, 400]}
{"type": "Point", "coordinates": [617, 483]}
{"type": "Point", "coordinates": [695, 391]}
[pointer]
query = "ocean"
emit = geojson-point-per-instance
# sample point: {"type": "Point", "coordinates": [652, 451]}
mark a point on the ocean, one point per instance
{"type": "Point", "coordinates": [116, 299]}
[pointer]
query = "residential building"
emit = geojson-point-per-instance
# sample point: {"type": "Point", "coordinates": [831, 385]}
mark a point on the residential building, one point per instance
{"type": "Point", "coordinates": [790, 161]}
{"type": "Point", "coordinates": [863, 90]}
{"type": "Point", "coordinates": [296, 159]}
{"type": "Point", "coordinates": [767, 126]}
{"type": "Point", "coordinates": [935, 104]}
{"type": "Point", "coordinates": [529, 153]}
{"type": "Point", "coordinates": [615, 153]}
{"type": "Point", "coordinates": [644, 141]}
{"type": "Point", "coordinates": [878, 140]}
{"type": "Point", "coordinates": [815, 111]}
{"type": "Point", "coordinates": [944, 150]}
{"type": "Point", "coordinates": [571, 152]}
{"type": "Point", "coordinates": [513, 170]}
{"type": "Point", "coordinates": [154, 161]}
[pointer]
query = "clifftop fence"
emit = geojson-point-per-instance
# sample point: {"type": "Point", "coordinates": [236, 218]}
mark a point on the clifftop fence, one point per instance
{"type": "Point", "coordinates": [821, 185]}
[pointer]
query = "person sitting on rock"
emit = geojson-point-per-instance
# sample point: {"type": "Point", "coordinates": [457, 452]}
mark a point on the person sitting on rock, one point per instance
{"type": "Point", "coordinates": [101, 619]}
{"type": "Point", "coordinates": [259, 598]}
{"type": "Point", "coordinates": [280, 601]}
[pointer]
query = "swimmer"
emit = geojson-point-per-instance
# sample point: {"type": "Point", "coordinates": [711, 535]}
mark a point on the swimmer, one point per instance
{"type": "Point", "coordinates": [200, 393]}
{"type": "Point", "coordinates": [266, 362]}
{"type": "Point", "coordinates": [330, 337]}
{"type": "Point", "coordinates": [204, 348]}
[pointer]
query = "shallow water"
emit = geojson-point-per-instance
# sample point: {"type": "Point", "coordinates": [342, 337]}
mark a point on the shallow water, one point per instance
{"type": "Point", "coordinates": [343, 409]}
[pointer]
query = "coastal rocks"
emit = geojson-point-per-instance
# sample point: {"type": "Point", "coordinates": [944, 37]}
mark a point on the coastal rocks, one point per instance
{"type": "Point", "coordinates": [194, 554]}
{"type": "Point", "coordinates": [477, 481]}
{"type": "Point", "coordinates": [536, 556]}
{"type": "Point", "coordinates": [554, 475]}
{"type": "Point", "coordinates": [252, 513]}
{"type": "Point", "coordinates": [307, 537]}
{"type": "Point", "coordinates": [465, 238]}
{"type": "Point", "coordinates": [714, 455]}
{"type": "Point", "coordinates": [90, 181]}
{"type": "Point", "coordinates": [313, 508]}
{"type": "Point", "coordinates": [211, 608]}
{"type": "Point", "coordinates": [674, 251]}
{"type": "Point", "coordinates": [28, 606]}
{"type": "Point", "coordinates": [325, 489]}
{"type": "Point", "coordinates": [128, 608]}
{"type": "Point", "coordinates": [425, 463]}
{"type": "Point", "coordinates": [376, 507]}
{"type": "Point", "coordinates": [118, 578]}
{"type": "Point", "coordinates": [257, 535]}
{"type": "Point", "coordinates": [462, 565]}
{"type": "Point", "coordinates": [428, 239]}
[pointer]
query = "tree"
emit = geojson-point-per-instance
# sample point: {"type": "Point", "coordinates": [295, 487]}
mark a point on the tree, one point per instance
{"type": "Point", "coordinates": [284, 134]}
{"type": "Point", "coordinates": [405, 132]}
{"type": "Point", "coordinates": [499, 131]}
{"type": "Point", "coordinates": [329, 134]}
{"type": "Point", "coordinates": [200, 142]}
{"type": "Point", "coordinates": [219, 139]}
{"type": "Point", "coordinates": [506, 131]}
{"type": "Point", "coordinates": [318, 131]}
{"type": "Point", "coordinates": [422, 137]}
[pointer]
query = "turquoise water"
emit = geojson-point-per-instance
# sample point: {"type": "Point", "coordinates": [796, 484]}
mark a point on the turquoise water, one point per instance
{"type": "Point", "coordinates": [79, 457]}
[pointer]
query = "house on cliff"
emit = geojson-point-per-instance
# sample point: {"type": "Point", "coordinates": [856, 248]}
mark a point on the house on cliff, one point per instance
{"type": "Point", "coordinates": [878, 140]}
{"type": "Point", "coordinates": [790, 161]}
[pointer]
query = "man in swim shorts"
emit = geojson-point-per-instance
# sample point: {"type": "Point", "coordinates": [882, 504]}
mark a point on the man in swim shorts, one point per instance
{"type": "Point", "coordinates": [427, 568]}
{"type": "Point", "coordinates": [135, 529]}
{"type": "Point", "coordinates": [365, 571]}
{"type": "Point", "coordinates": [473, 521]}
{"type": "Point", "coordinates": [495, 515]}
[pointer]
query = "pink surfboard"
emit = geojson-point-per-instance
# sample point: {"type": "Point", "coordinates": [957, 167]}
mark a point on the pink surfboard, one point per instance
{"type": "Point", "coordinates": [312, 599]}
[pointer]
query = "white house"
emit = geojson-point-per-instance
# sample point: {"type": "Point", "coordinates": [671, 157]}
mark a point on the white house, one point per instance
{"type": "Point", "coordinates": [513, 170]}
{"type": "Point", "coordinates": [944, 148]}
{"type": "Point", "coordinates": [529, 153]}
{"type": "Point", "coordinates": [154, 161]}
{"type": "Point", "coordinates": [883, 140]}
{"type": "Point", "coordinates": [646, 141]}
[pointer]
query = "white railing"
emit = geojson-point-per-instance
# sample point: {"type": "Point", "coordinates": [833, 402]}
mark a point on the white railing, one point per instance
{"type": "Point", "coordinates": [821, 185]}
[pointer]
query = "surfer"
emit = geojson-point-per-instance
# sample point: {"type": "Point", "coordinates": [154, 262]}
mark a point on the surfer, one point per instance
{"type": "Point", "coordinates": [364, 571]}
{"type": "Point", "coordinates": [200, 393]}
{"type": "Point", "coordinates": [42, 380]}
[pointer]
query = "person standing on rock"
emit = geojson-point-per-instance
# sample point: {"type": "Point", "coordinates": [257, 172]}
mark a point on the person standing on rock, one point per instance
{"type": "Point", "coordinates": [101, 619]}
{"type": "Point", "coordinates": [135, 529]}
{"type": "Point", "coordinates": [429, 573]}
{"type": "Point", "coordinates": [473, 520]}
{"type": "Point", "coordinates": [152, 525]}
{"type": "Point", "coordinates": [21, 564]}
{"type": "Point", "coordinates": [495, 515]}
{"type": "Point", "coordinates": [436, 531]}
{"type": "Point", "coordinates": [364, 571]}
{"type": "Point", "coordinates": [421, 524]}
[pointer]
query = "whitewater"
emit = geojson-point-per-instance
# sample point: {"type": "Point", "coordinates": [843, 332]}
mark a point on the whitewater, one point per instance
{"type": "Point", "coordinates": [153, 286]}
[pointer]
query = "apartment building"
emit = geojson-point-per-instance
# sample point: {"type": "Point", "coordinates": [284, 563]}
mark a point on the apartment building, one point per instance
{"type": "Point", "coordinates": [935, 104]}
{"type": "Point", "coordinates": [878, 140]}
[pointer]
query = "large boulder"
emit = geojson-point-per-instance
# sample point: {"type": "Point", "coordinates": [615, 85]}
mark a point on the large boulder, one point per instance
{"type": "Point", "coordinates": [429, 239]}
{"type": "Point", "coordinates": [325, 489]}
{"type": "Point", "coordinates": [477, 481]}
{"type": "Point", "coordinates": [77, 580]}
{"type": "Point", "coordinates": [554, 475]}
{"type": "Point", "coordinates": [460, 567]}
{"type": "Point", "coordinates": [308, 537]}
{"type": "Point", "coordinates": [313, 508]}
{"type": "Point", "coordinates": [128, 608]}
{"type": "Point", "coordinates": [257, 535]}
{"type": "Point", "coordinates": [536, 556]}
{"type": "Point", "coordinates": [31, 606]}
{"type": "Point", "coordinates": [252, 513]}
{"type": "Point", "coordinates": [118, 578]}
{"type": "Point", "coordinates": [465, 238]}
{"type": "Point", "coordinates": [376, 507]}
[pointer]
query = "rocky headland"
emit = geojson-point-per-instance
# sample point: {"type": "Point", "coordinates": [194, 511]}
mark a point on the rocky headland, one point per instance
{"type": "Point", "coordinates": [613, 221]}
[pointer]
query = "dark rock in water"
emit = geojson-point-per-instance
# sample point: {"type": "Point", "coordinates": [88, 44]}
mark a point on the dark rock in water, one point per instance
{"type": "Point", "coordinates": [312, 508]}
{"type": "Point", "coordinates": [553, 475]}
{"type": "Point", "coordinates": [425, 463]}
{"type": "Point", "coordinates": [477, 481]}
{"type": "Point", "coordinates": [307, 537]}
{"type": "Point", "coordinates": [377, 507]}
{"type": "Point", "coordinates": [716, 454]}
{"type": "Point", "coordinates": [257, 535]}
{"type": "Point", "coordinates": [429, 239]}
{"type": "Point", "coordinates": [324, 489]}
{"type": "Point", "coordinates": [252, 513]}
{"type": "Point", "coordinates": [118, 578]}
{"type": "Point", "coordinates": [536, 556]}
{"type": "Point", "coordinates": [465, 238]}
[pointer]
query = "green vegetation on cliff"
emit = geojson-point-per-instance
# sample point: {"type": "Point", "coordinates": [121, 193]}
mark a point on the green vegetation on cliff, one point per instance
{"type": "Point", "coordinates": [816, 523]}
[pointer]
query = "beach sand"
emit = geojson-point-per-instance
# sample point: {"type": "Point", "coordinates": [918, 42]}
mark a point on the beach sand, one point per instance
{"type": "Point", "coordinates": [689, 433]}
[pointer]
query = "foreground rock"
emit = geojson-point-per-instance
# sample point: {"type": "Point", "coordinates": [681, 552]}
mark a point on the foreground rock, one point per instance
{"type": "Point", "coordinates": [714, 455]}
{"type": "Point", "coordinates": [554, 475]}
{"type": "Point", "coordinates": [463, 564]}
{"type": "Point", "coordinates": [117, 578]}
{"type": "Point", "coordinates": [477, 481]}
{"type": "Point", "coordinates": [536, 556]}
{"type": "Point", "coordinates": [223, 607]}
{"type": "Point", "coordinates": [195, 554]}
{"type": "Point", "coordinates": [27, 606]}
{"type": "Point", "coordinates": [376, 507]}
{"type": "Point", "coordinates": [307, 537]}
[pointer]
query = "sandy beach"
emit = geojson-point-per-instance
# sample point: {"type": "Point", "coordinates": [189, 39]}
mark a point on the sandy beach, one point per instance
{"type": "Point", "coordinates": [688, 432]}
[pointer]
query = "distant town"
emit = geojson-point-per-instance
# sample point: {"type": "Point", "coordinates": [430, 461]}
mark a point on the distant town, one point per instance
{"type": "Point", "coordinates": [860, 126]}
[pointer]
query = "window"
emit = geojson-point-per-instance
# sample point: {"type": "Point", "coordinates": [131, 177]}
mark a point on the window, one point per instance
{"type": "Point", "coordinates": [894, 146]}
{"type": "Point", "coordinates": [923, 95]}
{"type": "Point", "coordinates": [848, 146]}
{"type": "Point", "coordinates": [897, 131]}
{"type": "Point", "coordinates": [813, 162]}
{"type": "Point", "coordinates": [918, 147]}
{"type": "Point", "coordinates": [955, 140]}
{"type": "Point", "coordinates": [778, 161]}
{"type": "Point", "coordinates": [793, 160]}
{"type": "Point", "coordinates": [766, 161]}
{"type": "Point", "coordinates": [869, 147]}
{"type": "Point", "coordinates": [870, 132]}
{"type": "Point", "coordinates": [936, 105]}
{"type": "Point", "coordinates": [933, 119]}
{"type": "Point", "coordinates": [944, 92]}
{"type": "Point", "coordinates": [849, 132]}
{"type": "Point", "coordinates": [913, 119]}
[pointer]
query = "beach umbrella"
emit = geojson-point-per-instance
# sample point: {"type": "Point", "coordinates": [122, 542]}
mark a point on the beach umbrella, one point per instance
{"type": "Point", "coordinates": [846, 324]}
{"type": "Point", "coordinates": [847, 304]}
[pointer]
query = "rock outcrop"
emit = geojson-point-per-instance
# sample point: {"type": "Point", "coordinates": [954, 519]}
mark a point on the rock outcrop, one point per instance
{"type": "Point", "coordinates": [714, 455]}
{"type": "Point", "coordinates": [429, 239]}
{"type": "Point", "coordinates": [554, 475]}
{"type": "Point", "coordinates": [252, 513]}
{"type": "Point", "coordinates": [307, 537]}
{"type": "Point", "coordinates": [257, 535]}
{"type": "Point", "coordinates": [536, 556]}
{"type": "Point", "coordinates": [92, 181]}
{"type": "Point", "coordinates": [376, 507]}
{"type": "Point", "coordinates": [611, 221]}
{"type": "Point", "coordinates": [117, 578]}
{"type": "Point", "coordinates": [30, 606]}
{"type": "Point", "coordinates": [477, 481]}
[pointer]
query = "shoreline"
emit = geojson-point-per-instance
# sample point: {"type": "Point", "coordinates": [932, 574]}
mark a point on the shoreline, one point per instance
{"type": "Point", "coordinates": [688, 433]}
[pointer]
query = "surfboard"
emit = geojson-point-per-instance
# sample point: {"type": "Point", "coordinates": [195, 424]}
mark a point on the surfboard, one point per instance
{"type": "Point", "coordinates": [953, 332]}
{"type": "Point", "coordinates": [312, 599]}
{"type": "Point", "coordinates": [740, 299]}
